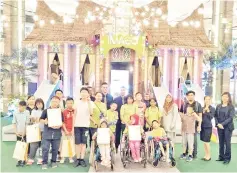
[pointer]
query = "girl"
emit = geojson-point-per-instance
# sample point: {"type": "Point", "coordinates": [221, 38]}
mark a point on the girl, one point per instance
{"type": "Point", "coordinates": [126, 111]}
{"type": "Point", "coordinates": [112, 117]}
{"type": "Point", "coordinates": [169, 117]}
{"type": "Point", "coordinates": [206, 126]}
{"type": "Point", "coordinates": [98, 112]}
{"type": "Point", "coordinates": [152, 113]}
{"type": "Point", "coordinates": [104, 148]}
{"type": "Point", "coordinates": [30, 103]}
{"type": "Point", "coordinates": [35, 116]}
{"type": "Point", "coordinates": [134, 145]}
{"type": "Point", "coordinates": [141, 107]}
{"type": "Point", "coordinates": [224, 115]}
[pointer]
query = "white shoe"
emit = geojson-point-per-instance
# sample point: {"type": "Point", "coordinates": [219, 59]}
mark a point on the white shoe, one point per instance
{"type": "Point", "coordinates": [71, 161]}
{"type": "Point", "coordinates": [39, 162]}
{"type": "Point", "coordinates": [140, 159]}
{"type": "Point", "coordinates": [62, 160]}
{"type": "Point", "coordinates": [136, 161]}
{"type": "Point", "coordinates": [168, 160]}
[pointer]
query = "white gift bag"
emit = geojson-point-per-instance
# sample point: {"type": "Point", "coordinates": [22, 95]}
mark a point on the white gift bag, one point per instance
{"type": "Point", "coordinates": [134, 133]}
{"type": "Point", "coordinates": [54, 117]}
{"type": "Point", "coordinates": [103, 136]}
{"type": "Point", "coordinates": [21, 151]}
{"type": "Point", "coordinates": [33, 133]}
{"type": "Point", "coordinates": [68, 147]}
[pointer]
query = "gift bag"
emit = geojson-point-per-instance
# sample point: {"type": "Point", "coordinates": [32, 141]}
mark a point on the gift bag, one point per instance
{"type": "Point", "coordinates": [33, 133]}
{"type": "Point", "coordinates": [21, 150]}
{"type": "Point", "coordinates": [68, 148]}
{"type": "Point", "coordinates": [214, 135]}
{"type": "Point", "coordinates": [103, 136]}
{"type": "Point", "coordinates": [134, 133]}
{"type": "Point", "coordinates": [54, 117]}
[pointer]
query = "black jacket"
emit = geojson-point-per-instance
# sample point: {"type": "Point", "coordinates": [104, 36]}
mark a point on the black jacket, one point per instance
{"type": "Point", "coordinates": [119, 102]}
{"type": "Point", "coordinates": [109, 99]}
{"type": "Point", "coordinates": [207, 117]}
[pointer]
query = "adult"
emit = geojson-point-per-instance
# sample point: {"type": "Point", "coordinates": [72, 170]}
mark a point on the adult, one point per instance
{"type": "Point", "coordinates": [169, 117]}
{"type": "Point", "coordinates": [119, 101]}
{"type": "Point", "coordinates": [30, 103]}
{"type": "Point", "coordinates": [90, 89]}
{"type": "Point", "coordinates": [107, 98]}
{"type": "Point", "coordinates": [141, 107]}
{"type": "Point", "coordinates": [206, 127]}
{"type": "Point", "coordinates": [147, 99]}
{"type": "Point", "coordinates": [54, 69]}
{"type": "Point", "coordinates": [83, 113]}
{"type": "Point", "coordinates": [59, 94]}
{"type": "Point", "coordinates": [224, 115]}
{"type": "Point", "coordinates": [190, 95]}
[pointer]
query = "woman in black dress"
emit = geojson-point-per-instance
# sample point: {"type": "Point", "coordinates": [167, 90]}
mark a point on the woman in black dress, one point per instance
{"type": "Point", "coordinates": [224, 115]}
{"type": "Point", "coordinates": [206, 126]}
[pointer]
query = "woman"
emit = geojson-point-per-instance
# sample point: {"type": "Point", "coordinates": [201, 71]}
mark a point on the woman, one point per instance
{"type": "Point", "coordinates": [126, 111]}
{"type": "Point", "coordinates": [141, 107]}
{"type": "Point", "coordinates": [152, 113]}
{"type": "Point", "coordinates": [54, 69]}
{"type": "Point", "coordinates": [224, 121]}
{"type": "Point", "coordinates": [206, 127]}
{"type": "Point", "coordinates": [98, 112]}
{"type": "Point", "coordinates": [169, 117]}
{"type": "Point", "coordinates": [30, 103]}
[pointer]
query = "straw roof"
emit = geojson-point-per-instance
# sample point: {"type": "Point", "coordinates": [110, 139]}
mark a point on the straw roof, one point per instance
{"type": "Point", "coordinates": [163, 36]}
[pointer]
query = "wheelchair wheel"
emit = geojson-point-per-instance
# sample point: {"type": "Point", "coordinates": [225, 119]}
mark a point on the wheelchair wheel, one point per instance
{"type": "Point", "coordinates": [124, 164]}
{"type": "Point", "coordinates": [150, 151]}
{"type": "Point", "coordinates": [92, 154]}
{"type": "Point", "coordinates": [144, 155]}
{"type": "Point", "coordinates": [112, 167]}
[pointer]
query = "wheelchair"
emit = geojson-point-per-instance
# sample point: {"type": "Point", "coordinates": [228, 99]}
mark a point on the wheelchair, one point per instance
{"type": "Point", "coordinates": [95, 156]}
{"type": "Point", "coordinates": [155, 155]}
{"type": "Point", "coordinates": [126, 155]}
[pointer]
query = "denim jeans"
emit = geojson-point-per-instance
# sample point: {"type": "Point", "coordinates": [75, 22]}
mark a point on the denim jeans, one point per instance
{"type": "Point", "coordinates": [45, 149]}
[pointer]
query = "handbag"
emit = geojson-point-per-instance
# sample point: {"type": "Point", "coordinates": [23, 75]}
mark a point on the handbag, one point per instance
{"type": "Point", "coordinates": [21, 150]}
{"type": "Point", "coordinates": [33, 133]}
{"type": "Point", "coordinates": [68, 148]}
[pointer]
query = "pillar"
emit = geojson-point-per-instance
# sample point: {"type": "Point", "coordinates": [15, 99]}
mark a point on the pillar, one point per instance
{"type": "Point", "coordinates": [77, 71]}
{"type": "Point", "coordinates": [97, 68]}
{"type": "Point", "coordinates": [45, 64]}
{"type": "Point", "coordinates": [198, 58]}
{"type": "Point", "coordinates": [175, 75]}
{"type": "Point", "coordinates": [66, 78]}
{"type": "Point", "coordinates": [146, 71]}
{"type": "Point", "coordinates": [166, 71]}
{"type": "Point", "coordinates": [135, 75]}
{"type": "Point", "coordinates": [107, 70]}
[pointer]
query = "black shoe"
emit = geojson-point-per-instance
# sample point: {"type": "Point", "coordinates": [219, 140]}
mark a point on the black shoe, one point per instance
{"type": "Point", "coordinates": [22, 163]}
{"type": "Point", "coordinates": [207, 159]}
{"type": "Point", "coordinates": [219, 160]}
{"type": "Point", "coordinates": [83, 163]}
{"type": "Point", "coordinates": [18, 164]}
{"type": "Point", "coordinates": [155, 163]}
{"type": "Point", "coordinates": [116, 150]}
{"type": "Point", "coordinates": [77, 163]}
{"type": "Point", "coordinates": [226, 162]}
{"type": "Point", "coordinates": [194, 156]}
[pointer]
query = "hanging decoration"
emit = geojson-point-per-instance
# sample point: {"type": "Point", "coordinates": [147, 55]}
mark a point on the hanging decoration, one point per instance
{"type": "Point", "coordinates": [87, 49]}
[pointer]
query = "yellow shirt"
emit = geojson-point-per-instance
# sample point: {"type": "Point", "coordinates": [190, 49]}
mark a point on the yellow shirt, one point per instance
{"type": "Point", "coordinates": [99, 107]}
{"type": "Point", "coordinates": [159, 132]}
{"type": "Point", "coordinates": [126, 111]}
{"type": "Point", "coordinates": [112, 117]}
{"type": "Point", "coordinates": [152, 114]}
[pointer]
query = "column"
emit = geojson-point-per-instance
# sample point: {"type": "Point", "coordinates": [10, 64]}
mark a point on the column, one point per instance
{"type": "Point", "coordinates": [166, 70]}
{"type": "Point", "coordinates": [107, 69]}
{"type": "Point", "coordinates": [135, 75]}
{"type": "Point", "coordinates": [146, 71]}
{"type": "Point", "coordinates": [196, 70]}
{"type": "Point", "coordinates": [44, 61]}
{"type": "Point", "coordinates": [97, 68]}
{"type": "Point", "coordinates": [66, 71]}
{"type": "Point", "coordinates": [175, 75]}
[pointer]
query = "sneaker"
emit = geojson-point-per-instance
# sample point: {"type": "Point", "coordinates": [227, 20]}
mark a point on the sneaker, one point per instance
{"type": "Point", "coordinates": [139, 160]}
{"type": "Point", "coordinates": [182, 156]}
{"type": "Point", "coordinates": [30, 162]}
{"type": "Point", "coordinates": [189, 158]}
{"type": "Point", "coordinates": [77, 163]}
{"type": "Point", "coordinates": [18, 164]}
{"type": "Point", "coordinates": [62, 160]}
{"type": "Point", "coordinates": [22, 163]}
{"type": "Point", "coordinates": [155, 163]}
{"type": "Point", "coordinates": [39, 162]}
{"type": "Point", "coordinates": [58, 159]}
{"type": "Point", "coordinates": [71, 160]}
{"type": "Point", "coordinates": [54, 165]}
{"type": "Point", "coordinates": [168, 160]}
{"type": "Point", "coordinates": [135, 160]}
{"type": "Point", "coordinates": [44, 166]}
{"type": "Point", "coordinates": [83, 163]}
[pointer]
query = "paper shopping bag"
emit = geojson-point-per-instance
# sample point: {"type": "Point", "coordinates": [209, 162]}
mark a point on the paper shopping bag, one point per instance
{"type": "Point", "coordinates": [134, 133]}
{"type": "Point", "coordinates": [68, 148]}
{"type": "Point", "coordinates": [54, 117]}
{"type": "Point", "coordinates": [214, 135]}
{"type": "Point", "coordinates": [21, 151]}
{"type": "Point", "coordinates": [33, 133]}
{"type": "Point", "coordinates": [103, 136]}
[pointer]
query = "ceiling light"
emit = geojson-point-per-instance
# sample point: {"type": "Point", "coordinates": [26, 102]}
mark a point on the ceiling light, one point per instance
{"type": "Point", "coordinates": [86, 21]}
{"type": "Point", "coordinates": [42, 22]}
{"type": "Point", "coordinates": [104, 9]}
{"type": "Point", "coordinates": [153, 9]}
{"type": "Point", "coordinates": [52, 22]}
{"type": "Point", "coordinates": [146, 22]}
{"type": "Point", "coordinates": [185, 23]}
{"type": "Point", "coordinates": [197, 24]}
{"type": "Point", "coordinates": [158, 11]}
{"type": "Point", "coordinates": [36, 18]}
{"type": "Point", "coordinates": [101, 13]}
{"type": "Point", "coordinates": [146, 8]}
{"type": "Point", "coordinates": [156, 25]}
{"type": "Point", "coordinates": [191, 23]}
{"type": "Point", "coordinates": [97, 9]}
{"type": "Point", "coordinates": [143, 14]}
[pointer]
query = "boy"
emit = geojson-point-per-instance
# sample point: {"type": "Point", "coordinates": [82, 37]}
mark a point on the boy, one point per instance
{"type": "Point", "coordinates": [51, 135]}
{"type": "Point", "coordinates": [112, 117]}
{"type": "Point", "coordinates": [20, 119]}
{"type": "Point", "coordinates": [188, 127]}
{"type": "Point", "coordinates": [59, 94]}
{"type": "Point", "coordinates": [83, 112]}
{"type": "Point", "coordinates": [68, 128]}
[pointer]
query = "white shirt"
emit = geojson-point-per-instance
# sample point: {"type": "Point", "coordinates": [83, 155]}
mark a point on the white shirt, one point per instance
{"type": "Point", "coordinates": [37, 114]}
{"type": "Point", "coordinates": [82, 118]}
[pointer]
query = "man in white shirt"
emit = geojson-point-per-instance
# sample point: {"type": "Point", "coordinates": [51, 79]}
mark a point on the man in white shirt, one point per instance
{"type": "Point", "coordinates": [83, 112]}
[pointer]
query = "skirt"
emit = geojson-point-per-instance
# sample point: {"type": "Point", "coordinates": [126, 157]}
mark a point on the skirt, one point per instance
{"type": "Point", "coordinates": [205, 134]}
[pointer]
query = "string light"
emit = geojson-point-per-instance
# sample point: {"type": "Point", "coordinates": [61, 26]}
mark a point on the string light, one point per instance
{"type": "Point", "coordinates": [104, 9]}
{"type": "Point", "coordinates": [97, 9]}
{"type": "Point", "coordinates": [146, 8]}
{"type": "Point", "coordinates": [101, 13]}
{"type": "Point", "coordinates": [36, 18]}
{"type": "Point", "coordinates": [41, 23]}
{"type": "Point", "coordinates": [52, 22]}
{"type": "Point", "coordinates": [197, 24]}
{"type": "Point", "coordinates": [185, 23]}
{"type": "Point", "coordinates": [158, 11]}
{"type": "Point", "coordinates": [146, 22]}
{"type": "Point", "coordinates": [143, 14]}
{"type": "Point", "coordinates": [86, 21]}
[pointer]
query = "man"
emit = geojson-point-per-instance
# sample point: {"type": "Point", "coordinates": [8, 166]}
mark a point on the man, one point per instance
{"type": "Point", "coordinates": [121, 100]}
{"type": "Point", "coordinates": [147, 100]}
{"type": "Point", "coordinates": [190, 95]}
{"type": "Point", "coordinates": [107, 98]}
{"type": "Point", "coordinates": [90, 89]}
{"type": "Point", "coordinates": [83, 112]}
{"type": "Point", "coordinates": [59, 94]}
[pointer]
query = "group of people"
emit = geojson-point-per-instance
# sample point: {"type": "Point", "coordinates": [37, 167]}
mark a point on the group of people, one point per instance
{"type": "Point", "coordinates": [92, 111]}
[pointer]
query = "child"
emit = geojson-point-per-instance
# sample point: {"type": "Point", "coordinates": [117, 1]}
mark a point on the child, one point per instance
{"type": "Point", "coordinates": [51, 135]}
{"type": "Point", "coordinates": [152, 113]}
{"type": "Point", "coordinates": [134, 145]}
{"type": "Point", "coordinates": [141, 107]}
{"type": "Point", "coordinates": [35, 116]}
{"type": "Point", "coordinates": [104, 148]}
{"type": "Point", "coordinates": [20, 120]}
{"type": "Point", "coordinates": [112, 117]}
{"type": "Point", "coordinates": [59, 94]}
{"type": "Point", "coordinates": [188, 127]}
{"type": "Point", "coordinates": [159, 135]}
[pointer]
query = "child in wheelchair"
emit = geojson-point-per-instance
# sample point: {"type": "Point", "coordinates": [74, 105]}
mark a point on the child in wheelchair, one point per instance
{"type": "Point", "coordinates": [163, 147]}
{"type": "Point", "coordinates": [103, 151]}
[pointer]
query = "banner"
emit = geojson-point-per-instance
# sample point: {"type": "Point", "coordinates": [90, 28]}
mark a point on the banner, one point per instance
{"type": "Point", "coordinates": [108, 42]}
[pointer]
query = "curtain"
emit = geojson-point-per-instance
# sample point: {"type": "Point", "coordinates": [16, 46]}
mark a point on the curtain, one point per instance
{"type": "Point", "coordinates": [160, 59]}
{"type": "Point", "coordinates": [87, 68]}
{"type": "Point", "coordinates": [92, 70]}
{"type": "Point", "coordinates": [151, 70]}
{"type": "Point", "coordinates": [190, 66]}
{"type": "Point", "coordinates": [185, 72]}
{"type": "Point", "coordinates": [83, 59]}
{"type": "Point", "coordinates": [181, 65]}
